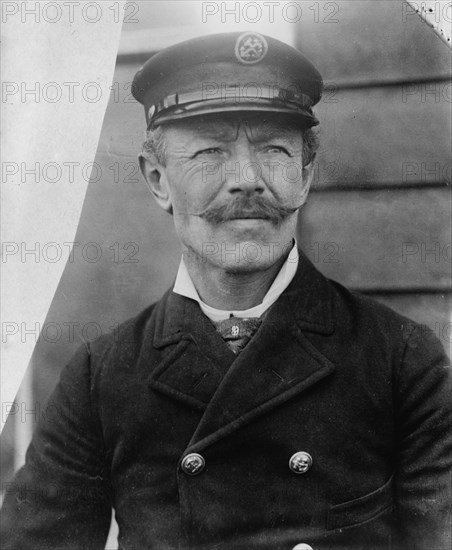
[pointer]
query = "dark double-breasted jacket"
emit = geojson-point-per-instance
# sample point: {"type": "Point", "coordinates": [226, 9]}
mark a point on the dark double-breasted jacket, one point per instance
{"type": "Point", "coordinates": [358, 387]}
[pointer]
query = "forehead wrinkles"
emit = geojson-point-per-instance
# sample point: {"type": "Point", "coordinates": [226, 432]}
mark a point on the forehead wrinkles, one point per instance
{"type": "Point", "coordinates": [259, 131]}
{"type": "Point", "coordinates": [266, 130]}
{"type": "Point", "coordinates": [255, 130]}
{"type": "Point", "coordinates": [221, 130]}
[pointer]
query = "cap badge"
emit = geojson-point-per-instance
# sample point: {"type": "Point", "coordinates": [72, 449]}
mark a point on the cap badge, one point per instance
{"type": "Point", "coordinates": [250, 48]}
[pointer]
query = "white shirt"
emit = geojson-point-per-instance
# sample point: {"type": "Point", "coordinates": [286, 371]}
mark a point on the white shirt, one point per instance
{"type": "Point", "coordinates": [185, 287]}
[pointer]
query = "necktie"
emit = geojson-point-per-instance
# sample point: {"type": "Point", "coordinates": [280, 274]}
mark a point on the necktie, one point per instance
{"type": "Point", "coordinates": [237, 332]}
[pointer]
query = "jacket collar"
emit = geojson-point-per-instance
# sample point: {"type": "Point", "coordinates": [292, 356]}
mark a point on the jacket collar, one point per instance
{"type": "Point", "coordinates": [199, 370]}
{"type": "Point", "coordinates": [307, 300]}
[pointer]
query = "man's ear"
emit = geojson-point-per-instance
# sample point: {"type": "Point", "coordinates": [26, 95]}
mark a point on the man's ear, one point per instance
{"type": "Point", "coordinates": [156, 178]}
{"type": "Point", "coordinates": [307, 177]}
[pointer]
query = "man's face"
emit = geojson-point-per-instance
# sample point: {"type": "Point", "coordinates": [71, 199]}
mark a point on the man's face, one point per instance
{"type": "Point", "coordinates": [234, 185]}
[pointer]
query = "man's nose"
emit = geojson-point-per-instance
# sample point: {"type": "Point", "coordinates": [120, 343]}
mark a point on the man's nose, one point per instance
{"type": "Point", "coordinates": [243, 172]}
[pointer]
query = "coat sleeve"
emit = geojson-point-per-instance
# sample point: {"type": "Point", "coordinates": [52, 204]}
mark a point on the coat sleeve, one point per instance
{"type": "Point", "coordinates": [424, 409]}
{"type": "Point", "coordinates": [61, 499]}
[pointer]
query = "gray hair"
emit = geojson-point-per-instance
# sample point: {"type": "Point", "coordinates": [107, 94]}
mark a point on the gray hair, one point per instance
{"type": "Point", "coordinates": [155, 145]}
{"type": "Point", "coordinates": [310, 145]}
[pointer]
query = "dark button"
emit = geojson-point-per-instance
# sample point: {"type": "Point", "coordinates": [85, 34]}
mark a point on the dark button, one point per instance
{"type": "Point", "coordinates": [300, 462]}
{"type": "Point", "coordinates": [193, 464]}
{"type": "Point", "coordinates": [302, 546]}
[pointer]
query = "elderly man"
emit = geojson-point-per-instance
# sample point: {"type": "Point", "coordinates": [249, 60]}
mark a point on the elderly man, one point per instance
{"type": "Point", "coordinates": [257, 404]}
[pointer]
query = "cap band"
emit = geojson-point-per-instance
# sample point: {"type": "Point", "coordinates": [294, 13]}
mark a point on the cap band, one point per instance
{"type": "Point", "coordinates": [234, 97]}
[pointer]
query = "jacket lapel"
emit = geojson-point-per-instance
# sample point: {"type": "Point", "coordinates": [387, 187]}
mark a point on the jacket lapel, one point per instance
{"type": "Point", "coordinates": [194, 356]}
{"type": "Point", "coordinates": [198, 368]}
{"type": "Point", "coordinates": [278, 363]}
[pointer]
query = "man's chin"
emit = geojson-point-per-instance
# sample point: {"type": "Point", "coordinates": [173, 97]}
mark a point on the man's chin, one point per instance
{"type": "Point", "coordinates": [250, 223]}
{"type": "Point", "coordinates": [245, 256]}
{"type": "Point", "coordinates": [247, 230]}
{"type": "Point", "coordinates": [252, 228]}
{"type": "Point", "coordinates": [245, 267]}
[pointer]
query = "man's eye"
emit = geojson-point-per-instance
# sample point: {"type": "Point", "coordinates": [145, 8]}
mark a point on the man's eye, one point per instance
{"type": "Point", "coordinates": [277, 149]}
{"type": "Point", "coordinates": [208, 151]}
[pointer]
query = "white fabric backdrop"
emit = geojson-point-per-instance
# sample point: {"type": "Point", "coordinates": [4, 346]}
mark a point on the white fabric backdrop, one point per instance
{"type": "Point", "coordinates": [57, 65]}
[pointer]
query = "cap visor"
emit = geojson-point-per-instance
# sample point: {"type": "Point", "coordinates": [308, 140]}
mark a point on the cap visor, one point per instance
{"type": "Point", "coordinates": [205, 108]}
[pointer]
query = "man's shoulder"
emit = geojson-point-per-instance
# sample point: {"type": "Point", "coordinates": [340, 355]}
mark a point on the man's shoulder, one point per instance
{"type": "Point", "coordinates": [350, 312]}
{"type": "Point", "coordinates": [360, 305]}
{"type": "Point", "coordinates": [367, 317]}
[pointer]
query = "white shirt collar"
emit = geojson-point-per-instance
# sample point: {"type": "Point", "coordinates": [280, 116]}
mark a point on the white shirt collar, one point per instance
{"type": "Point", "coordinates": [185, 287]}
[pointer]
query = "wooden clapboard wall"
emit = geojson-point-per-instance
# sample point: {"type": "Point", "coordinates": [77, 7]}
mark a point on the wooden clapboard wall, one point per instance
{"type": "Point", "coordinates": [373, 200]}
{"type": "Point", "coordinates": [379, 216]}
